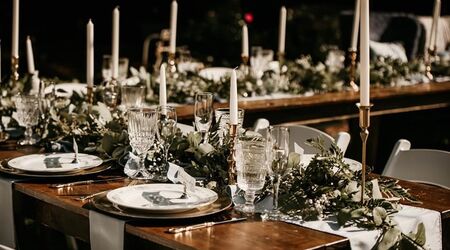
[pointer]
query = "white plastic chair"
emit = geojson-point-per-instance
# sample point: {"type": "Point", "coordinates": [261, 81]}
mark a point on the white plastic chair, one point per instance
{"type": "Point", "coordinates": [421, 165]}
{"type": "Point", "coordinates": [299, 134]}
{"type": "Point", "coordinates": [260, 125]}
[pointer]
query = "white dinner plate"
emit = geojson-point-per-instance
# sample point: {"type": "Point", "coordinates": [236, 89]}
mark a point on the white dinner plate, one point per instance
{"type": "Point", "coordinates": [54, 163]}
{"type": "Point", "coordinates": [354, 165]}
{"type": "Point", "coordinates": [161, 198]}
{"type": "Point", "coordinates": [67, 89]}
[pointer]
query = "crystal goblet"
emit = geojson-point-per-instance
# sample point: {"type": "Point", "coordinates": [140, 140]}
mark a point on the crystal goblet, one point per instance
{"type": "Point", "coordinates": [132, 96]}
{"type": "Point", "coordinates": [141, 132]}
{"type": "Point", "coordinates": [251, 169]}
{"type": "Point", "coordinates": [27, 108]}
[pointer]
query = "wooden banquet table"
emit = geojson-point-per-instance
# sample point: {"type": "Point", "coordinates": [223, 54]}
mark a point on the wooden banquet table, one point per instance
{"type": "Point", "coordinates": [56, 208]}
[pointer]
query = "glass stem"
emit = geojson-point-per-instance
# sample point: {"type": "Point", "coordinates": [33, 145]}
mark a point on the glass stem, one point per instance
{"type": "Point", "coordinates": [276, 187]}
{"type": "Point", "coordinates": [204, 136]}
{"type": "Point", "coordinates": [249, 199]}
{"type": "Point", "coordinates": [28, 133]}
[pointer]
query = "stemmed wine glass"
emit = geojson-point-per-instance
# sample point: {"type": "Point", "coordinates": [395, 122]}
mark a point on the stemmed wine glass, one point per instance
{"type": "Point", "coordinates": [278, 153]}
{"type": "Point", "coordinates": [203, 111]}
{"type": "Point", "coordinates": [27, 107]}
{"type": "Point", "coordinates": [251, 169]}
{"type": "Point", "coordinates": [166, 129]}
{"type": "Point", "coordinates": [141, 132]}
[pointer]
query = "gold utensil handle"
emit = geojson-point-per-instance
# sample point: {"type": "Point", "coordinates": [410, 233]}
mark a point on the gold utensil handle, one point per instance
{"type": "Point", "coordinates": [189, 228]}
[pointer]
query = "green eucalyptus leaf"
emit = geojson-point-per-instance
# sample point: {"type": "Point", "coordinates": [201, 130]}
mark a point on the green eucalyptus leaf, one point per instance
{"type": "Point", "coordinates": [108, 143]}
{"type": "Point", "coordinates": [420, 235]}
{"type": "Point", "coordinates": [293, 160]}
{"type": "Point", "coordinates": [343, 216]}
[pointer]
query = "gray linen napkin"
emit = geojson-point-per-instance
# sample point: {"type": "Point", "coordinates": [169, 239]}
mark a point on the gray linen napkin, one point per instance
{"type": "Point", "coordinates": [7, 230]}
{"type": "Point", "coordinates": [106, 232]}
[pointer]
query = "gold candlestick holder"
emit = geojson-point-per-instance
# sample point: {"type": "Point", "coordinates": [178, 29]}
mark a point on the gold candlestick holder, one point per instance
{"type": "Point", "coordinates": [353, 54]}
{"type": "Point", "coordinates": [281, 59]}
{"type": "Point", "coordinates": [90, 97]}
{"type": "Point", "coordinates": [232, 156]}
{"type": "Point", "coordinates": [428, 58]}
{"type": "Point", "coordinates": [14, 70]}
{"type": "Point", "coordinates": [364, 123]}
{"type": "Point", "coordinates": [172, 67]}
{"type": "Point", "coordinates": [245, 65]}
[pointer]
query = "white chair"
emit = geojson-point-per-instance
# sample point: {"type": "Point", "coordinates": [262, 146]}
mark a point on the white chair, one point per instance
{"type": "Point", "coordinates": [260, 124]}
{"type": "Point", "coordinates": [185, 129]}
{"type": "Point", "coordinates": [422, 165]}
{"type": "Point", "coordinates": [299, 134]}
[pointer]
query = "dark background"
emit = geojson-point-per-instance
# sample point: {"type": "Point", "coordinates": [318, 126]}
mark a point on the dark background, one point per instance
{"type": "Point", "coordinates": [211, 29]}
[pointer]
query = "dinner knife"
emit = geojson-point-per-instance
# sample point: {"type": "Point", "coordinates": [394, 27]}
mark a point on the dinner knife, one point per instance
{"type": "Point", "coordinates": [75, 183]}
{"type": "Point", "coordinates": [175, 230]}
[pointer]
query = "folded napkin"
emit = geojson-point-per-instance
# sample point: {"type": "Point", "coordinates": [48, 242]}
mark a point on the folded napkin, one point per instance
{"type": "Point", "coordinates": [7, 230]}
{"type": "Point", "coordinates": [106, 232]}
{"type": "Point", "coordinates": [407, 218]}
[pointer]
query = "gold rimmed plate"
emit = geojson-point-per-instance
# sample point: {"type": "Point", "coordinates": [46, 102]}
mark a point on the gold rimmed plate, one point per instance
{"type": "Point", "coordinates": [6, 169]}
{"type": "Point", "coordinates": [101, 203]}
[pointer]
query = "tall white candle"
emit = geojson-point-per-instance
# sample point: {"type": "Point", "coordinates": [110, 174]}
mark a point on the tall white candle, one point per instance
{"type": "Point", "coordinates": [15, 29]}
{"type": "Point", "coordinates": [244, 41]}
{"type": "Point", "coordinates": [0, 60]}
{"type": "Point", "coordinates": [233, 99]}
{"type": "Point", "coordinates": [30, 57]}
{"type": "Point", "coordinates": [365, 56]}
{"type": "Point", "coordinates": [434, 25]}
{"type": "Point", "coordinates": [115, 44]}
{"type": "Point", "coordinates": [162, 85]}
{"type": "Point", "coordinates": [355, 30]}
{"type": "Point", "coordinates": [90, 54]}
{"type": "Point", "coordinates": [173, 27]}
{"type": "Point", "coordinates": [282, 31]}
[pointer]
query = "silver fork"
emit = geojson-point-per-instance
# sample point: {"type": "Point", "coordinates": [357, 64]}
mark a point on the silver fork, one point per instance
{"type": "Point", "coordinates": [90, 196]}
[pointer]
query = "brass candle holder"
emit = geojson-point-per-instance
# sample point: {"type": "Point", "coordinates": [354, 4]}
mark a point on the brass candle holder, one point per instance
{"type": "Point", "coordinates": [353, 54]}
{"type": "Point", "coordinates": [245, 65]}
{"type": "Point", "coordinates": [232, 156]}
{"type": "Point", "coordinates": [90, 97]}
{"type": "Point", "coordinates": [428, 58]}
{"type": "Point", "coordinates": [172, 68]}
{"type": "Point", "coordinates": [14, 70]}
{"type": "Point", "coordinates": [364, 123]}
{"type": "Point", "coordinates": [281, 59]}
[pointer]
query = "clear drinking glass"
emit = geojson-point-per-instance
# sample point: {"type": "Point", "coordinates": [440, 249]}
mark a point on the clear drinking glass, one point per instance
{"type": "Point", "coordinates": [141, 132]}
{"type": "Point", "coordinates": [278, 152]}
{"type": "Point", "coordinates": [27, 109]}
{"type": "Point", "coordinates": [166, 129]}
{"type": "Point", "coordinates": [251, 169]}
{"type": "Point", "coordinates": [107, 65]}
{"type": "Point", "coordinates": [203, 111]}
{"type": "Point", "coordinates": [132, 96]}
{"type": "Point", "coordinates": [259, 60]}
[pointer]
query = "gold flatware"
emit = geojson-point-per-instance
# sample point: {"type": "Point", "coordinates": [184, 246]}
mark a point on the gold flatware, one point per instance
{"type": "Point", "coordinates": [175, 230]}
{"type": "Point", "coordinates": [86, 182]}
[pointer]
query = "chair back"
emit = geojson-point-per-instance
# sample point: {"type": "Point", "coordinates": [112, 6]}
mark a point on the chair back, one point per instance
{"type": "Point", "coordinates": [298, 134]}
{"type": "Point", "coordinates": [422, 165]}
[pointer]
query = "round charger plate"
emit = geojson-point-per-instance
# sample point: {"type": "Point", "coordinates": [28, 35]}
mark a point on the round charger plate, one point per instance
{"type": "Point", "coordinates": [160, 198]}
{"type": "Point", "coordinates": [101, 203]}
{"type": "Point", "coordinates": [354, 165]}
{"type": "Point", "coordinates": [4, 168]}
{"type": "Point", "coordinates": [54, 163]}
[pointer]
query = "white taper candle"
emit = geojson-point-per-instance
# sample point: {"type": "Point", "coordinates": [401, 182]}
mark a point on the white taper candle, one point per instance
{"type": "Point", "coordinates": [15, 29]}
{"type": "Point", "coordinates": [173, 27]}
{"type": "Point", "coordinates": [90, 54]}
{"type": "Point", "coordinates": [30, 57]}
{"type": "Point", "coordinates": [115, 44]}
{"type": "Point", "coordinates": [244, 41]}
{"type": "Point", "coordinates": [282, 30]}
{"type": "Point", "coordinates": [162, 85]}
{"type": "Point", "coordinates": [365, 54]}
{"type": "Point", "coordinates": [434, 25]}
{"type": "Point", "coordinates": [355, 31]}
